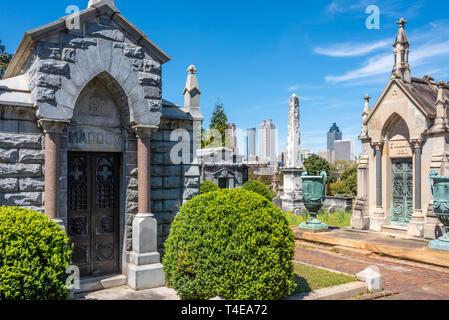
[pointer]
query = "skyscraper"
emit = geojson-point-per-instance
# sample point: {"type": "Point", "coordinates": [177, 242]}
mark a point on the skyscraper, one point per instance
{"type": "Point", "coordinates": [250, 141]}
{"type": "Point", "coordinates": [344, 150]}
{"type": "Point", "coordinates": [333, 135]}
{"type": "Point", "coordinates": [267, 142]}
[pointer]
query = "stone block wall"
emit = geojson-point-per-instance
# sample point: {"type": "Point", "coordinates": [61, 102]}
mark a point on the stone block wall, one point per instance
{"type": "Point", "coordinates": [21, 159]}
{"type": "Point", "coordinates": [171, 184]}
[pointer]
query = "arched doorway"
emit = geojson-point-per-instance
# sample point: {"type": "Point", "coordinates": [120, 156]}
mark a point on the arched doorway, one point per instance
{"type": "Point", "coordinates": [96, 139]}
{"type": "Point", "coordinates": [400, 170]}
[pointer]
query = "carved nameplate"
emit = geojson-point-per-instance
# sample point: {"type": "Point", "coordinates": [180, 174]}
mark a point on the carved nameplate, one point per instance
{"type": "Point", "coordinates": [400, 149]}
{"type": "Point", "coordinates": [94, 139]}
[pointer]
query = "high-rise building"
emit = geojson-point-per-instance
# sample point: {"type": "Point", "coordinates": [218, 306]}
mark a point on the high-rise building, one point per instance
{"type": "Point", "coordinates": [232, 136]}
{"type": "Point", "coordinates": [333, 135]}
{"type": "Point", "coordinates": [250, 143]}
{"type": "Point", "coordinates": [344, 150]}
{"type": "Point", "coordinates": [267, 142]}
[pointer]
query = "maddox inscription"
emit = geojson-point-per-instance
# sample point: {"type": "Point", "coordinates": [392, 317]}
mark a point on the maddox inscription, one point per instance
{"type": "Point", "coordinates": [400, 149]}
{"type": "Point", "coordinates": [94, 139]}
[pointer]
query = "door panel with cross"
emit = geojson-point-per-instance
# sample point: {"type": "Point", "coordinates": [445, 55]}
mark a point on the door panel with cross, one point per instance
{"type": "Point", "coordinates": [402, 193]}
{"type": "Point", "coordinates": [93, 207]}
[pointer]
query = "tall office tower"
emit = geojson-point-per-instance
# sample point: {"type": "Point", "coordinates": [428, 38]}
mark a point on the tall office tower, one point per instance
{"type": "Point", "coordinates": [267, 142]}
{"type": "Point", "coordinates": [333, 135]}
{"type": "Point", "coordinates": [250, 140]}
{"type": "Point", "coordinates": [344, 150]}
{"type": "Point", "coordinates": [231, 135]}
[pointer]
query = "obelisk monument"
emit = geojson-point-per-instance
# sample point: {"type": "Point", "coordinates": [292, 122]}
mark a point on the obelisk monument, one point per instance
{"type": "Point", "coordinates": [292, 195]}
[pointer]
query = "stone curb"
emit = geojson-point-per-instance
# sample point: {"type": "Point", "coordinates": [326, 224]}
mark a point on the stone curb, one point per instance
{"type": "Point", "coordinates": [340, 292]}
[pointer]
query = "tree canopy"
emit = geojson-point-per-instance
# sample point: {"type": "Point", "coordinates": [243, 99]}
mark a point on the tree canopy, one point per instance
{"type": "Point", "coordinates": [5, 59]}
{"type": "Point", "coordinates": [218, 122]}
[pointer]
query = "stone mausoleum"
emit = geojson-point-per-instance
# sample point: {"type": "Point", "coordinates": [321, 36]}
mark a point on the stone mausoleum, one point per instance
{"type": "Point", "coordinates": [86, 138]}
{"type": "Point", "coordinates": [404, 136]}
{"type": "Point", "coordinates": [223, 167]}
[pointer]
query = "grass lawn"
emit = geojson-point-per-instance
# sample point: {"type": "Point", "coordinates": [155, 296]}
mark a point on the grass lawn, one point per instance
{"type": "Point", "coordinates": [337, 219]}
{"type": "Point", "coordinates": [311, 278]}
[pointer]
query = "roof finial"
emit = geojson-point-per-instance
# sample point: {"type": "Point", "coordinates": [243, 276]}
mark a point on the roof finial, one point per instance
{"type": "Point", "coordinates": [93, 2]}
{"type": "Point", "coordinates": [192, 94]}
{"type": "Point", "coordinates": [366, 109]}
{"type": "Point", "coordinates": [401, 22]}
{"type": "Point", "coordinates": [401, 68]}
{"type": "Point", "coordinates": [441, 96]}
{"type": "Point", "coordinates": [191, 69]}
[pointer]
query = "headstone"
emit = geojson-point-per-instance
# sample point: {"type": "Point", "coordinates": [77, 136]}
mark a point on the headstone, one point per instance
{"type": "Point", "coordinates": [372, 278]}
{"type": "Point", "coordinates": [331, 210]}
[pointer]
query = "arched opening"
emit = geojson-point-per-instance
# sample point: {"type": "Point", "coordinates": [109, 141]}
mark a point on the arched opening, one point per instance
{"type": "Point", "coordinates": [98, 140]}
{"type": "Point", "coordinates": [398, 161]}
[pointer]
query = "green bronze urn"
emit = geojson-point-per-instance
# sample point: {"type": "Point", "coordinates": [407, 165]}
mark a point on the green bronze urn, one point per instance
{"type": "Point", "coordinates": [440, 192]}
{"type": "Point", "coordinates": [314, 194]}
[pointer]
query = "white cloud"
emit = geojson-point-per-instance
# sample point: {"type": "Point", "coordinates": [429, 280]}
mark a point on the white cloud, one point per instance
{"type": "Point", "coordinates": [381, 64]}
{"type": "Point", "coordinates": [352, 49]}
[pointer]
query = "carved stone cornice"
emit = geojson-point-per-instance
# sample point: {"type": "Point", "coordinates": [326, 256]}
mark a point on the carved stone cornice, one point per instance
{"type": "Point", "coordinates": [52, 126]}
{"type": "Point", "coordinates": [144, 131]}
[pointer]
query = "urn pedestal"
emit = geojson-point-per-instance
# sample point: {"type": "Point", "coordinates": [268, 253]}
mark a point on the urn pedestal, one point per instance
{"type": "Point", "coordinates": [440, 192]}
{"type": "Point", "coordinates": [314, 194]}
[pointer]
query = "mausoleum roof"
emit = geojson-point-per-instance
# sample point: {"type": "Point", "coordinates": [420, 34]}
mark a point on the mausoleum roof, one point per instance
{"type": "Point", "coordinates": [32, 36]}
{"type": "Point", "coordinates": [425, 91]}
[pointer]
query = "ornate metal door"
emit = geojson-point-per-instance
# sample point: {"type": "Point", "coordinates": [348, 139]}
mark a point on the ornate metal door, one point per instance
{"type": "Point", "coordinates": [402, 176]}
{"type": "Point", "coordinates": [93, 207]}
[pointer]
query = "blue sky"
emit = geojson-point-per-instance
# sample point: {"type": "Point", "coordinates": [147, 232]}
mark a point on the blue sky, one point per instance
{"type": "Point", "coordinates": [252, 55]}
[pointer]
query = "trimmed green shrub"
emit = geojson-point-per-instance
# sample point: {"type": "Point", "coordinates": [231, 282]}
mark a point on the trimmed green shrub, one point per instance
{"type": "Point", "coordinates": [258, 187]}
{"type": "Point", "coordinates": [231, 243]}
{"type": "Point", "coordinates": [208, 186]}
{"type": "Point", "coordinates": [34, 256]}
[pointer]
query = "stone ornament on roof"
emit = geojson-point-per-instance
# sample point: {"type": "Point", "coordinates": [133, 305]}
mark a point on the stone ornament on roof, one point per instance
{"type": "Point", "coordinates": [93, 2]}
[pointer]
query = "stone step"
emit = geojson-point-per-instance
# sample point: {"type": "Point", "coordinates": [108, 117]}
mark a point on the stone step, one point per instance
{"type": "Point", "coordinates": [103, 282]}
{"type": "Point", "coordinates": [399, 230]}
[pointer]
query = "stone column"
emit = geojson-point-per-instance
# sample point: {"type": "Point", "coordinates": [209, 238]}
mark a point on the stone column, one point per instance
{"type": "Point", "coordinates": [52, 131]}
{"type": "Point", "coordinates": [416, 225]}
{"type": "Point", "coordinates": [144, 269]}
{"type": "Point", "coordinates": [379, 215]}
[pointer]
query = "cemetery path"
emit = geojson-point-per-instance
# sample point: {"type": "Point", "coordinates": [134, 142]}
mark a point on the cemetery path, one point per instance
{"type": "Point", "coordinates": [412, 281]}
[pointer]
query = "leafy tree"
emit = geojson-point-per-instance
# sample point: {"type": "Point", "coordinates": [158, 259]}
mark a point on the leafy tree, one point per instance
{"type": "Point", "coordinates": [315, 164]}
{"type": "Point", "coordinates": [347, 185]}
{"type": "Point", "coordinates": [5, 59]}
{"type": "Point", "coordinates": [218, 122]}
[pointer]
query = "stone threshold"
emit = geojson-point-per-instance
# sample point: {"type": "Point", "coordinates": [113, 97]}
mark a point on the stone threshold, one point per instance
{"type": "Point", "coordinates": [408, 249]}
{"type": "Point", "coordinates": [340, 292]}
{"type": "Point", "coordinates": [90, 284]}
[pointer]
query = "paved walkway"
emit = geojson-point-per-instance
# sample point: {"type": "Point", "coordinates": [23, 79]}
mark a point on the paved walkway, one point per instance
{"type": "Point", "coordinates": [414, 281]}
{"type": "Point", "coordinates": [124, 293]}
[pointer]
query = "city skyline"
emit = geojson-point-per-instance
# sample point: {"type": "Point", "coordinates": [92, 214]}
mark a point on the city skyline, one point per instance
{"type": "Point", "coordinates": [292, 47]}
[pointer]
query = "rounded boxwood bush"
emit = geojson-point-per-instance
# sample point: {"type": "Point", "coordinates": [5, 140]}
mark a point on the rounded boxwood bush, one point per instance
{"type": "Point", "coordinates": [208, 186]}
{"type": "Point", "coordinates": [34, 256]}
{"type": "Point", "coordinates": [258, 187]}
{"type": "Point", "coordinates": [231, 243]}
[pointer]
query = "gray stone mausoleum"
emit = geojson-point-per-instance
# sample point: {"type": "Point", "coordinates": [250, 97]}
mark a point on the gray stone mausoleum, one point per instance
{"type": "Point", "coordinates": [86, 138]}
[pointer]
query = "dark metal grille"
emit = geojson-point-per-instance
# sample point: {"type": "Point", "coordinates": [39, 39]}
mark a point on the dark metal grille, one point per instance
{"type": "Point", "coordinates": [105, 192]}
{"type": "Point", "coordinates": [77, 197]}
